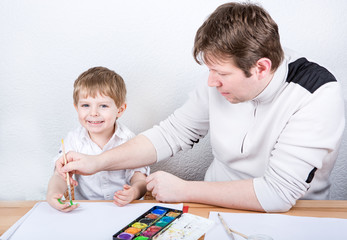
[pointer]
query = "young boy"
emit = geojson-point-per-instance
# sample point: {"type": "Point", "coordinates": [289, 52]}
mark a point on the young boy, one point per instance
{"type": "Point", "coordinates": [99, 98]}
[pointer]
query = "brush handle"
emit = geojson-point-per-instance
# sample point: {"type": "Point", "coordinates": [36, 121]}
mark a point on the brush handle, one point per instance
{"type": "Point", "coordinates": [229, 230]}
{"type": "Point", "coordinates": [65, 162]}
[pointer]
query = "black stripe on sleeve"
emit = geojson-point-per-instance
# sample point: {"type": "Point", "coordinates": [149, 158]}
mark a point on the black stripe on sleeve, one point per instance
{"type": "Point", "coordinates": [309, 75]}
{"type": "Point", "coordinates": [311, 175]}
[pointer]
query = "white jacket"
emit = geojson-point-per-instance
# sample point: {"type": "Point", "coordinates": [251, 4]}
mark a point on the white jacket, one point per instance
{"type": "Point", "coordinates": [286, 139]}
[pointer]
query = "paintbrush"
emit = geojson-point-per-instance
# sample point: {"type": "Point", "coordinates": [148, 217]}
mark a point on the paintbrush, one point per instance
{"type": "Point", "coordinates": [67, 174]}
{"type": "Point", "coordinates": [252, 237]}
{"type": "Point", "coordinates": [229, 230]}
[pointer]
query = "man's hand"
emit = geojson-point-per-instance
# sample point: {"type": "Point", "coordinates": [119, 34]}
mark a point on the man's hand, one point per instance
{"type": "Point", "coordinates": [77, 163]}
{"type": "Point", "coordinates": [125, 196]}
{"type": "Point", "coordinates": [166, 187]}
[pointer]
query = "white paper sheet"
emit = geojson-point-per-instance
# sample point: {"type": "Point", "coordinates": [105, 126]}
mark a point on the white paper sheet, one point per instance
{"type": "Point", "coordinates": [187, 227]}
{"type": "Point", "coordinates": [278, 226]}
{"type": "Point", "coordinates": [95, 220]}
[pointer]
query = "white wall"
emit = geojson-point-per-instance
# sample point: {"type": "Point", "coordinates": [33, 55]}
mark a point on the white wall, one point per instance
{"type": "Point", "coordinates": [45, 45]}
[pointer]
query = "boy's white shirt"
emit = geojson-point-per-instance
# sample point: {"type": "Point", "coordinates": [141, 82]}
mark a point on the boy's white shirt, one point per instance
{"type": "Point", "coordinates": [101, 185]}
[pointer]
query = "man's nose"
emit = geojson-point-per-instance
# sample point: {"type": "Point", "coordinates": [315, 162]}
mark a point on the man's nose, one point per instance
{"type": "Point", "coordinates": [213, 79]}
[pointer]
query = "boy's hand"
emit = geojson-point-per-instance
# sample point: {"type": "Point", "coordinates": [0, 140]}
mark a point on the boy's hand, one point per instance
{"type": "Point", "coordinates": [125, 196]}
{"type": "Point", "coordinates": [53, 201]}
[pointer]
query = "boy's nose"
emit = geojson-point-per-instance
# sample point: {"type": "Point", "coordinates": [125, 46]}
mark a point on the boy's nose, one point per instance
{"type": "Point", "coordinates": [94, 112]}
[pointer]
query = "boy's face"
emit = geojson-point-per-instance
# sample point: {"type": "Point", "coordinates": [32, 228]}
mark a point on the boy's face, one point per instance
{"type": "Point", "coordinates": [98, 115]}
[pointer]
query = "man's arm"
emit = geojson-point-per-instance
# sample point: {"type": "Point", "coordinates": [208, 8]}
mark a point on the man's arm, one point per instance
{"type": "Point", "coordinates": [134, 153]}
{"type": "Point", "coordinates": [235, 194]}
{"type": "Point", "coordinates": [239, 194]}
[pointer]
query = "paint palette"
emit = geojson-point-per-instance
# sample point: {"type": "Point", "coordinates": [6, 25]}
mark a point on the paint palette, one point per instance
{"type": "Point", "coordinates": [149, 225]}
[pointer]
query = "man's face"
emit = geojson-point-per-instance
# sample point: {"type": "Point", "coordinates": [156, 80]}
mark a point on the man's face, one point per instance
{"type": "Point", "coordinates": [232, 82]}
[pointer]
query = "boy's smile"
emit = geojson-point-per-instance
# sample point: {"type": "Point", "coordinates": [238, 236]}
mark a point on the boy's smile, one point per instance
{"type": "Point", "coordinates": [98, 115]}
{"type": "Point", "coordinates": [95, 123]}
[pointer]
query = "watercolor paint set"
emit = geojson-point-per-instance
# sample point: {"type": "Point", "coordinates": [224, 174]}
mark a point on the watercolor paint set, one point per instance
{"type": "Point", "coordinates": [149, 225]}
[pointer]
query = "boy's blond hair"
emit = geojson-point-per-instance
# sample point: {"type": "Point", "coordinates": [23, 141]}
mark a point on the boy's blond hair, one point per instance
{"type": "Point", "coordinates": [103, 81]}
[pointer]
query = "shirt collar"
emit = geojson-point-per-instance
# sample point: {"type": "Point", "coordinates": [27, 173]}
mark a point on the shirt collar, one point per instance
{"type": "Point", "coordinates": [275, 84]}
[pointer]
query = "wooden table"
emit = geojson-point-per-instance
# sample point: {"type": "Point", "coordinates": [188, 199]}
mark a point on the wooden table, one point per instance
{"type": "Point", "coordinates": [11, 211]}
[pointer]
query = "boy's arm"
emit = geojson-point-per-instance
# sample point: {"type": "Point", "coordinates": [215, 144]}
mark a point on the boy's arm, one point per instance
{"type": "Point", "coordinates": [138, 182]}
{"type": "Point", "coordinates": [130, 193]}
{"type": "Point", "coordinates": [56, 188]}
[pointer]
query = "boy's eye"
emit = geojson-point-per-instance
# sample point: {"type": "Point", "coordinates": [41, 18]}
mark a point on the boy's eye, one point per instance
{"type": "Point", "coordinates": [85, 105]}
{"type": "Point", "coordinates": [104, 106]}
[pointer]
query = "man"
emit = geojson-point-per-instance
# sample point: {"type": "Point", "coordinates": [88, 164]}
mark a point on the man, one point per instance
{"type": "Point", "coordinates": [275, 122]}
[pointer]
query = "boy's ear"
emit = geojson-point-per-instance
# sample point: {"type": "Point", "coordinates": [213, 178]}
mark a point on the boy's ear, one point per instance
{"type": "Point", "coordinates": [75, 107]}
{"type": "Point", "coordinates": [121, 110]}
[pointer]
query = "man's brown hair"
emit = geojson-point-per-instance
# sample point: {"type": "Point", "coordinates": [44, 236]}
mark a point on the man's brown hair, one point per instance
{"type": "Point", "coordinates": [103, 81]}
{"type": "Point", "coordinates": [243, 32]}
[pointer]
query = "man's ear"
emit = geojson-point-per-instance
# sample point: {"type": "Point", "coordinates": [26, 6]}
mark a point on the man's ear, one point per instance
{"type": "Point", "coordinates": [121, 110]}
{"type": "Point", "coordinates": [263, 67]}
